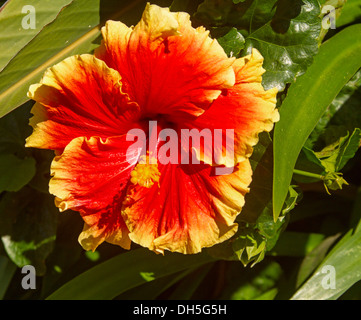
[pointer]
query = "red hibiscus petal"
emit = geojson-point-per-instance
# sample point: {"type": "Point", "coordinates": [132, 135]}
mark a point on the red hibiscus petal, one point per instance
{"type": "Point", "coordinates": [167, 66]}
{"type": "Point", "coordinates": [190, 209]}
{"type": "Point", "coordinates": [91, 176]}
{"type": "Point", "coordinates": [79, 96]}
{"type": "Point", "coordinates": [241, 113]}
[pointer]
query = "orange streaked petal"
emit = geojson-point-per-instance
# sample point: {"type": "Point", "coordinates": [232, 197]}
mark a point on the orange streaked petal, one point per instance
{"type": "Point", "coordinates": [189, 210]}
{"type": "Point", "coordinates": [114, 231]}
{"type": "Point", "coordinates": [246, 108]}
{"type": "Point", "coordinates": [79, 96]}
{"type": "Point", "coordinates": [167, 66]}
{"type": "Point", "coordinates": [90, 176]}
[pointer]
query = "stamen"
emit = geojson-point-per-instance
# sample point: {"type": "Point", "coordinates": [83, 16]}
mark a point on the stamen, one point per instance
{"type": "Point", "coordinates": [146, 172]}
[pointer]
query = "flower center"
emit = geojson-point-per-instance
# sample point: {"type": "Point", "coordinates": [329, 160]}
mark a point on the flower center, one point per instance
{"type": "Point", "coordinates": [145, 172]}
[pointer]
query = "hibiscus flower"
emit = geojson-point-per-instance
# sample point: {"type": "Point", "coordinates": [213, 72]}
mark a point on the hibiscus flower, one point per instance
{"type": "Point", "coordinates": [161, 71]}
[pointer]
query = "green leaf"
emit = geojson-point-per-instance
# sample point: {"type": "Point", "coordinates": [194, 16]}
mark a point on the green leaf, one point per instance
{"type": "Point", "coordinates": [43, 158]}
{"type": "Point", "coordinates": [252, 284]}
{"type": "Point", "coordinates": [296, 244]}
{"type": "Point", "coordinates": [13, 36]}
{"type": "Point", "coordinates": [15, 172]}
{"type": "Point", "coordinates": [14, 129]}
{"type": "Point", "coordinates": [17, 164]}
{"type": "Point", "coordinates": [314, 258]}
{"type": "Point", "coordinates": [346, 119]}
{"type": "Point", "coordinates": [335, 157]}
{"type": "Point", "coordinates": [67, 258]}
{"type": "Point", "coordinates": [28, 227]}
{"type": "Point", "coordinates": [258, 207]}
{"type": "Point", "coordinates": [7, 270]}
{"type": "Point", "coordinates": [328, 162]}
{"type": "Point", "coordinates": [113, 277]}
{"type": "Point", "coordinates": [249, 246]}
{"type": "Point", "coordinates": [270, 229]}
{"type": "Point", "coordinates": [330, 9]}
{"type": "Point", "coordinates": [187, 287]}
{"type": "Point", "coordinates": [332, 158]}
{"type": "Point", "coordinates": [316, 205]}
{"type": "Point", "coordinates": [269, 295]}
{"type": "Point", "coordinates": [151, 290]}
{"type": "Point", "coordinates": [345, 259]}
{"type": "Point", "coordinates": [351, 13]}
{"type": "Point", "coordinates": [342, 116]}
{"type": "Point", "coordinates": [252, 241]}
{"type": "Point", "coordinates": [260, 194]}
{"type": "Point", "coordinates": [304, 105]}
{"type": "Point", "coordinates": [230, 39]}
{"type": "Point", "coordinates": [258, 232]}
{"type": "Point", "coordinates": [77, 29]}
{"type": "Point", "coordinates": [308, 162]}
{"type": "Point", "coordinates": [284, 31]}
{"type": "Point", "coordinates": [356, 212]}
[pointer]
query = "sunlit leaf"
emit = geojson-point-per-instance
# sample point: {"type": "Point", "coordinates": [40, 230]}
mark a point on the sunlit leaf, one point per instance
{"type": "Point", "coordinates": [314, 258]}
{"type": "Point", "coordinates": [13, 18]}
{"type": "Point", "coordinates": [304, 105]}
{"type": "Point", "coordinates": [351, 13]}
{"type": "Point", "coordinates": [342, 266]}
{"type": "Point", "coordinates": [77, 29]}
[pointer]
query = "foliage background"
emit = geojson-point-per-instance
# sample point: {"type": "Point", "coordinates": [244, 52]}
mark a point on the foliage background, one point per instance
{"type": "Point", "coordinates": [300, 214]}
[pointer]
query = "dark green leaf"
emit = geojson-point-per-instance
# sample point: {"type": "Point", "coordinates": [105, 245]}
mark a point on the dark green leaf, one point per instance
{"type": "Point", "coordinates": [342, 116]}
{"type": "Point", "coordinates": [356, 212]}
{"type": "Point", "coordinates": [284, 31]}
{"type": "Point", "coordinates": [230, 39]}
{"type": "Point", "coordinates": [113, 277]}
{"type": "Point", "coordinates": [28, 227]}
{"type": "Point", "coordinates": [296, 244]}
{"type": "Point", "coordinates": [189, 285]}
{"type": "Point", "coordinates": [151, 290]}
{"type": "Point", "coordinates": [15, 173]}
{"type": "Point", "coordinates": [7, 270]}
{"type": "Point", "coordinates": [251, 284]}
{"type": "Point", "coordinates": [189, 6]}
{"type": "Point", "coordinates": [14, 129]}
{"type": "Point", "coordinates": [308, 162]}
{"type": "Point", "coordinates": [258, 232]}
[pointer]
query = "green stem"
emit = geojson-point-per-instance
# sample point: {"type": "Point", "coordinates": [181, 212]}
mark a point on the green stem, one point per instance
{"type": "Point", "coordinates": [308, 174]}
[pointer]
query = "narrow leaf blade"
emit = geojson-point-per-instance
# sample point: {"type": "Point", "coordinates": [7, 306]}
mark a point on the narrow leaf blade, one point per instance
{"type": "Point", "coordinates": [114, 276]}
{"type": "Point", "coordinates": [337, 60]}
